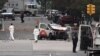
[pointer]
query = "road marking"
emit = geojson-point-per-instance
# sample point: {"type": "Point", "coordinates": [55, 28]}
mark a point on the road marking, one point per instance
{"type": "Point", "coordinates": [50, 54]}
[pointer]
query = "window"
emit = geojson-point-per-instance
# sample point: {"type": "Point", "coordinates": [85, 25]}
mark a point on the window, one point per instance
{"type": "Point", "coordinates": [9, 5]}
{"type": "Point", "coordinates": [86, 31]}
{"type": "Point", "coordinates": [17, 4]}
{"type": "Point", "coordinates": [32, 6]}
{"type": "Point", "coordinates": [4, 10]}
{"type": "Point", "coordinates": [43, 26]}
{"type": "Point", "coordinates": [12, 5]}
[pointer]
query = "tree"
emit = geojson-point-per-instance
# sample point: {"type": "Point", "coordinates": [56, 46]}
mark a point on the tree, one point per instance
{"type": "Point", "coordinates": [2, 2]}
{"type": "Point", "coordinates": [45, 4]}
{"type": "Point", "coordinates": [60, 4]}
{"type": "Point", "coordinates": [65, 4]}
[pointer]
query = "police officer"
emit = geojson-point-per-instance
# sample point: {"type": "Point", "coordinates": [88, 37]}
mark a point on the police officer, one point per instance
{"type": "Point", "coordinates": [74, 38]}
{"type": "Point", "coordinates": [22, 17]}
{"type": "Point", "coordinates": [36, 33]}
{"type": "Point", "coordinates": [11, 29]}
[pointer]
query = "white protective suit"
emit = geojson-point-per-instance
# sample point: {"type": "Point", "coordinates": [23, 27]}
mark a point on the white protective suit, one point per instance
{"type": "Point", "coordinates": [36, 33]}
{"type": "Point", "coordinates": [11, 29]}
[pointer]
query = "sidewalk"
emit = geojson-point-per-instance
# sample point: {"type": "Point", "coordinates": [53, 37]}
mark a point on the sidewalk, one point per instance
{"type": "Point", "coordinates": [42, 48]}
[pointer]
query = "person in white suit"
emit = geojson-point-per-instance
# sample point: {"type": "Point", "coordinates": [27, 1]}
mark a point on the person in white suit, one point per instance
{"type": "Point", "coordinates": [11, 30]}
{"type": "Point", "coordinates": [36, 33]}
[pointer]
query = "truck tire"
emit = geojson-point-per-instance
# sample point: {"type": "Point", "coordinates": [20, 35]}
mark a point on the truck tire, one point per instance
{"type": "Point", "coordinates": [13, 18]}
{"type": "Point", "coordinates": [65, 38]}
{"type": "Point", "coordinates": [50, 36]}
{"type": "Point", "coordinates": [27, 13]}
{"type": "Point", "coordinates": [39, 37]}
{"type": "Point", "coordinates": [33, 14]}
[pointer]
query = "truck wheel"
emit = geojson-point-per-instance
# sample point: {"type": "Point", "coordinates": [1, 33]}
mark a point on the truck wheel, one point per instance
{"type": "Point", "coordinates": [28, 14]}
{"type": "Point", "coordinates": [50, 36]}
{"type": "Point", "coordinates": [96, 46]}
{"type": "Point", "coordinates": [54, 38]}
{"type": "Point", "coordinates": [33, 14]}
{"type": "Point", "coordinates": [65, 38]}
{"type": "Point", "coordinates": [13, 19]}
{"type": "Point", "coordinates": [39, 37]}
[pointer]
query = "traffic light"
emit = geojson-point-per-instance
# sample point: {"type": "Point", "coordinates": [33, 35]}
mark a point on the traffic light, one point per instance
{"type": "Point", "coordinates": [93, 9]}
{"type": "Point", "coordinates": [90, 9]}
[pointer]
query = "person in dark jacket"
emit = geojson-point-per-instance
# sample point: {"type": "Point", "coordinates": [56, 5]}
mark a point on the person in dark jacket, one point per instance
{"type": "Point", "coordinates": [22, 17]}
{"type": "Point", "coordinates": [75, 40]}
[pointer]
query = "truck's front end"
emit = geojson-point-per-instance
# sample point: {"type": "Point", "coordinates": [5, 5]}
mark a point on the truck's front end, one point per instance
{"type": "Point", "coordinates": [32, 9]}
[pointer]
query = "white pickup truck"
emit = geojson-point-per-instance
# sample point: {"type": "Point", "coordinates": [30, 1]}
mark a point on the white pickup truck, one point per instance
{"type": "Point", "coordinates": [52, 31]}
{"type": "Point", "coordinates": [97, 36]}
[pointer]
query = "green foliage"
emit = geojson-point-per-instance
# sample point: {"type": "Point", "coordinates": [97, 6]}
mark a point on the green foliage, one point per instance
{"type": "Point", "coordinates": [84, 2]}
{"type": "Point", "coordinates": [82, 5]}
{"type": "Point", "coordinates": [2, 2]}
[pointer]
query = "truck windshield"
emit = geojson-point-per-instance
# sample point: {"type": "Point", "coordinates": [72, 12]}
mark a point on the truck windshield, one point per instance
{"type": "Point", "coordinates": [43, 26]}
{"type": "Point", "coordinates": [86, 31]}
{"type": "Point", "coordinates": [32, 6]}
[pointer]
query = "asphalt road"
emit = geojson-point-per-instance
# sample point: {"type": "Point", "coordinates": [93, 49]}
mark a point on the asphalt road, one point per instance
{"type": "Point", "coordinates": [41, 53]}
{"type": "Point", "coordinates": [42, 48]}
{"type": "Point", "coordinates": [23, 31]}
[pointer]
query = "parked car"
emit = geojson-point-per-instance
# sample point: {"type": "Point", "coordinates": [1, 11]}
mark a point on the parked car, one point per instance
{"type": "Point", "coordinates": [7, 13]}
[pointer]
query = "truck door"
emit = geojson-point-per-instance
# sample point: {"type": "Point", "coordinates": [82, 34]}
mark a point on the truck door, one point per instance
{"type": "Point", "coordinates": [85, 36]}
{"type": "Point", "coordinates": [97, 36]}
